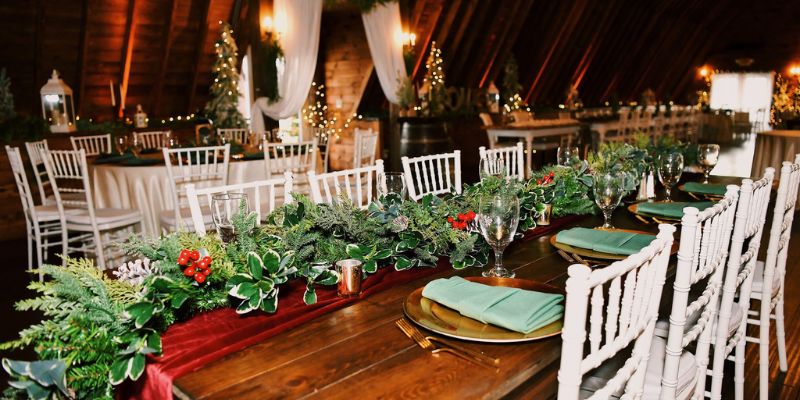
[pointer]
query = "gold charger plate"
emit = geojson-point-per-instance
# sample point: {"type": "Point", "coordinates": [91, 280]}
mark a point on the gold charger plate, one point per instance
{"type": "Point", "coordinates": [705, 196]}
{"type": "Point", "coordinates": [596, 255]}
{"type": "Point", "coordinates": [634, 208]}
{"type": "Point", "coordinates": [448, 322]}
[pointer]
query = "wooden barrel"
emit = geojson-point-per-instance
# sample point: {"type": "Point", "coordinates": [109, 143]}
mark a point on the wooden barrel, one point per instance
{"type": "Point", "coordinates": [423, 136]}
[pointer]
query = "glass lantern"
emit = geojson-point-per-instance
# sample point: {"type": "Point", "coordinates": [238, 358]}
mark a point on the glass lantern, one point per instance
{"type": "Point", "coordinates": [57, 107]}
{"type": "Point", "coordinates": [493, 99]}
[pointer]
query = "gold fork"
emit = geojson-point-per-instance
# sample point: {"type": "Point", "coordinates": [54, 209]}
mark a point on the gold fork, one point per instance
{"type": "Point", "coordinates": [426, 342]}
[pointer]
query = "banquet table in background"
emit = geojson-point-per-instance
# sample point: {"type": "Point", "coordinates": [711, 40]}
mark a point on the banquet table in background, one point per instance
{"type": "Point", "coordinates": [534, 129]}
{"type": "Point", "coordinates": [774, 147]}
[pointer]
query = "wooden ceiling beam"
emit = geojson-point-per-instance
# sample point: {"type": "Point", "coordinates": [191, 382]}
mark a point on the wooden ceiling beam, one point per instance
{"type": "Point", "coordinates": [169, 23]}
{"type": "Point", "coordinates": [429, 27]}
{"type": "Point", "coordinates": [84, 46]}
{"type": "Point", "coordinates": [199, 52]}
{"type": "Point", "coordinates": [501, 44]}
{"type": "Point", "coordinates": [497, 63]}
{"type": "Point", "coordinates": [460, 58]}
{"type": "Point", "coordinates": [127, 55]}
{"type": "Point", "coordinates": [444, 29]}
{"type": "Point", "coordinates": [494, 38]}
{"type": "Point", "coordinates": [466, 16]}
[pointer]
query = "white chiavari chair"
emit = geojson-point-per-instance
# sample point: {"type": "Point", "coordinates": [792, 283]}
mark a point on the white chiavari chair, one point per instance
{"type": "Point", "coordinates": [297, 158]}
{"type": "Point", "coordinates": [675, 372]}
{"type": "Point", "coordinates": [512, 157]}
{"type": "Point", "coordinates": [96, 228]}
{"type": "Point", "coordinates": [39, 173]}
{"type": "Point", "coordinates": [153, 140]}
{"type": "Point", "coordinates": [93, 145]}
{"type": "Point", "coordinates": [323, 136]}
{"type": "Point", "coordinates": [769, 276]}
{"type": "Point", "coordinates": [433, 174]}
{"type": "Point", "coordinates": [262, 196]}
{"type": "Point", "coordinates": [624, 319]}
{"type": "Point", "coordinates": [366, 144]}
{"type": "Point", "coordinates": [360, 185]}
{"type": "Point", "coordinates": [738, 280]}
{"type": "Point", "coordinates": [203, 166]}
{"type": "Point", "coordinates": [43, 223]}
{"type": "Point", "coordinates": [623, 123]}
{"type": "Point", "coordinates": [238, 135]}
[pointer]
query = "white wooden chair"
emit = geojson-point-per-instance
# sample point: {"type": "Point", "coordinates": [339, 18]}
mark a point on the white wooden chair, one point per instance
{"type": "Point", "coordinates": [769, 276]}
{"type": "Point", "coordinates": [704, 240]}
{"type": "Point", "coordinates": [96, 228]}
{"type": "Point", "coordinates": [264, 196]}
{"type": "Point", "coordinates": [93, 145]}
{"type": "Point", "coordinates": [39, 173]}
{"type": "Point", "coordinates": [738, 280]}
{"type": "Point", "coordinates": [297, 158]}
{"type": "Point", "coordinates": [366, 144]}
{"type": "Point", "coordinates": [42, 222]}
{"type": "Point", "coordinates": [237, 135]}
{"type": "Point", "coordinates": [513, 158]}
{"type": "Point", "coordinates": [625, 319]}
{"type": "Point", "coordinates": [153, 140]}
{"type": "Point", "coordinates": [360, 185]}
{"type": "Point", "coordinates": [432, 174]}
{"type": "Point", "coordinates": [204, 166]}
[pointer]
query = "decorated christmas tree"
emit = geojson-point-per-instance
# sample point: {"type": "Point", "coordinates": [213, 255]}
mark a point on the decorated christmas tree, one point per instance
{"type": "Point", "coordinates": [436, 95]}
{"type": "Point", "coordinates": [222, 108]}
{"type": "Point", "coordinates": [511, 86]}
{"type": "Point", "coordinates": [6, 98]}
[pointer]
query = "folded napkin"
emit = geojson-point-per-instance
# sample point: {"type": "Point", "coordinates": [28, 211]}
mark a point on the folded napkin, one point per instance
{"type": "Point", "coordinates": [610, 242]}
{"type": "Point", "coordinates": [516, 309]}
{"type": "Point", "coordinates": [673, 209]}
{"type": "Point", "coordinates": [705, 188]}
{"type": "Point", "coordinates": [111, 158]}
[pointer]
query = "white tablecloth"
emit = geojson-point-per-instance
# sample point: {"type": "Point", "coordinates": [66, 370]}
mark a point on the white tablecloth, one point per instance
{"type": "Point", "coordinates": [147, 188]}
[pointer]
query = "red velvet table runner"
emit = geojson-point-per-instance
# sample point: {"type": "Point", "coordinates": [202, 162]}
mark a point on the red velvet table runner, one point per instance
{"type": "Point", "coordinates": [207, 337]}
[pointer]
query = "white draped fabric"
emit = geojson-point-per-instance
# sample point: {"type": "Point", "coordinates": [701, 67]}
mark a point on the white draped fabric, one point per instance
{"type": "Point", "coordinates": [298, 23]}
{"type": "Point", "coordinates": [384, 31]}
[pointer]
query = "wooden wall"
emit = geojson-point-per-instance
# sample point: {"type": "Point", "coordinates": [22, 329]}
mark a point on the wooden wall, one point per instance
{"type": "Point", "coordinates": [346, 60]}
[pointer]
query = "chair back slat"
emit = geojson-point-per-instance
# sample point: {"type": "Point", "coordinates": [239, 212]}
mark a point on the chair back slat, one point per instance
{"type": "Point", "coordinates": [512, 158]}
{"type": "Point", "coordinates": [153, 139]}
{"type": "Point", "coordinates": [39, 173]}
{"type": "Point", "coordinates": [643, 274]}
{"type": "Point", "coordinates": [24, 189]}
{"type": "Point", "coordinates": [432, 174]}
{"type": "Point", "coordinates": [201, 199]}
{"type": "Point", "coordinates": [93, 145]}
{"type": "Point", "coordinates": [358, 184]}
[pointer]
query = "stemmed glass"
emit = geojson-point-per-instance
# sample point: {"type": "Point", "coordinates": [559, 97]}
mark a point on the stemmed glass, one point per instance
{"type": "Point", "coordinates": [121, 144]}
{"type": "Point", "coordinates": [568, 156]}
{"type": "Point", "coordinates": [224, 208]}
{"type": "Point", "coordinates": [707, 155]}
{"type": "Point", "coordinates": [608, 191]}
{"type": "Point", "coordinates": [136, 146]}
{"type": "Point", "coordinates": [492, 166]}
{"type": "Point", "coordinates": [392, 183]}
{"type": "Point", "coordinates": [498, 218]}
{"type": "Point", "coordinates": [670, 168]}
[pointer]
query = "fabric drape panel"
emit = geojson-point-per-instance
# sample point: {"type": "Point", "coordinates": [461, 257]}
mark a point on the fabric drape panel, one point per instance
{"type": "Point", "coordinates": [382, 25]}
{"type": "Point", "coordinates": [298, 23]}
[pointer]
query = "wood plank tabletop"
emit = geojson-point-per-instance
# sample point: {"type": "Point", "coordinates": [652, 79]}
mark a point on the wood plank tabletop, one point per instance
{"type": "Point", "coordinates": [358, 352]}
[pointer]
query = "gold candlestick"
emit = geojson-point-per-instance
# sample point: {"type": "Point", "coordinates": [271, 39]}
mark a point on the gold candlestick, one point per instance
{"type": "Point", "coordinates": [349, 272]}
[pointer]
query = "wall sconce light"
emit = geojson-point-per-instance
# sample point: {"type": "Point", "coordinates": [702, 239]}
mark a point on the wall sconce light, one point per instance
{"type": "Point", "coordinates": [266, 24]}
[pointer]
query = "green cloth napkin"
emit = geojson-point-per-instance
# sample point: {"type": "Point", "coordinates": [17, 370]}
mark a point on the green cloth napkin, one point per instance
{"type": "Point", "coordinates": [673, 209]}
{"type": "Point", "coordinates": [705, 188]}
{"type": "Point", "coordinates": [111, 158]}
{"type": "Point", "coordinates": [516, 309]}
{"type": "Point", "coordinates": [142, 161]}
{"type": "Point", "coordinates": [254, 156]}
{"type": "Point", "coordinates": [610, 242]}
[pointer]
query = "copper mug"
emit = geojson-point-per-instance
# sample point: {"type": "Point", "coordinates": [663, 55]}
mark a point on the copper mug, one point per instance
{"type": "Point", "coordinates": [349, 272]}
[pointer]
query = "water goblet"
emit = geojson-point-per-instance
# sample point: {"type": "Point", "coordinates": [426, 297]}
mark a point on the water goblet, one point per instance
{"type": "Point", "coordinates": [121, 144]}
{"type": "Point", "coordinates": [707, 155]}
{"type": "Point", "coordinates": [492, 165]}
{"type": "Point", "coordinates": [498, 218]}
{"type": "Point", "coordinates": [568, 156]}
{"type": "Point", "coordinates": [608, 191]}
{"type": "Point", "coordinates": [224, 208]}
{"type": "Point", "coordinates": [392, 183]}
{"type": "Point", "coordinates": [136, 146]}
{"type": "Point", "coordinates": [670, 168]}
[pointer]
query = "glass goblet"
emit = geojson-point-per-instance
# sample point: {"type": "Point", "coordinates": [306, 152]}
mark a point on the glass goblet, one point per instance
{"type": "Point", "coordinates": [608, 191]}
{"type": "Point", "coordinates": [121, 144]}
{"type": "Point", "coordinates": [707, 156]}
{"type": "Point", "coordinates": [136, 146]}
{"type": "Point", "coordinates": [392, 183]}
{"type": "Point", "coordinates": [492, 166]}
{"type": "Point", "coordinates": [498, 218]}
{"type": "Point", "coordinates": [224, 208]}
{"type": "Point", "coordinates": [670, 168]}
{"type": "Point", "coordinates": [568, 156]}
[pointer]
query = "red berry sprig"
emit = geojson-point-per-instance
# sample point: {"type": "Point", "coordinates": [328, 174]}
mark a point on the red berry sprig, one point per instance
{"type": "Point", "coordinates": [462, 220]}
{"type": "Point", "coordinates": [547, 179]}
{"type": "Point", "coordinates": [194, 266]}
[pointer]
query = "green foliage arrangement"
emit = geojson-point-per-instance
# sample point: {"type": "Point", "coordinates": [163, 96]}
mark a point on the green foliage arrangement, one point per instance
{"type": "Point", "coordinates": [6, 97]}
{"type": "Point", "coordinates": [567, 190]}
{"type": "Point", "coordinates": [272, 52]}
{"type": "Point", "coordinates": [619, 159]}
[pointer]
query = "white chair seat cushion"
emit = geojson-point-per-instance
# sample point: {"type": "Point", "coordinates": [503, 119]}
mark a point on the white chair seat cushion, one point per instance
{"type": "Point", "coordinates": [687, 372]}
{"type": "Point", "coordinates": [167, 218]}
{"type": "Point", "coordinates": [662, 326]}
{"type": "Point", "coordinates": [107, 218]}
{"type": "Point", "coordinates": [758, 280]}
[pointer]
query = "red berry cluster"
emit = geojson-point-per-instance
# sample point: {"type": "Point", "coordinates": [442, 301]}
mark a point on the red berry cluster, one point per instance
{"type": "Point", "coordinates": [462, 220]}
{"type": "Point", "coordinates": [547, 179]}
{"type": "Point", "coordinates": [194, 266]}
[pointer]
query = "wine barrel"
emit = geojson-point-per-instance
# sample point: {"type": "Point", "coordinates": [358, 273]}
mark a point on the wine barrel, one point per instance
{"type": "Point", "coordinates": [423, 136]}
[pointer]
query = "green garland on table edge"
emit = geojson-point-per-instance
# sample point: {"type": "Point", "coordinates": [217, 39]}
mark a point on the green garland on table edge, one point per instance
{"type": "Point", "coordinates": [97, 331]}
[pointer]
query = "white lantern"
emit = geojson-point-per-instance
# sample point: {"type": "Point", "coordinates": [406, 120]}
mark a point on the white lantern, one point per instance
{"type": "Point", "coordinates": [57, 107]}
{"type": "Point", "coordinates": [493, 99]}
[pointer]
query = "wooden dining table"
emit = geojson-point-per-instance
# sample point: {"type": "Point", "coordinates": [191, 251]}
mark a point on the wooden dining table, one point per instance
{"type": "Point", "coordinates": [359, 352]}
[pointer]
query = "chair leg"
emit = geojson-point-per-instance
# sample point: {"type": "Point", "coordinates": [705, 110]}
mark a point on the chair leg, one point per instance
{"type": "Point", "coordinates": [763, 351]}
{"type": "Point", "coordinates": [738, 377]}
{"type": "Point", "coordinates": [98, 249]}
{"type": "Point", "coordinates": [39, 258]}
{"type": "Point", "coordinates": [780, 334]}
{"type": "Point", "coordinates": [30, 251]}
{"type": "Point", "coordinates": [64, 245]}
